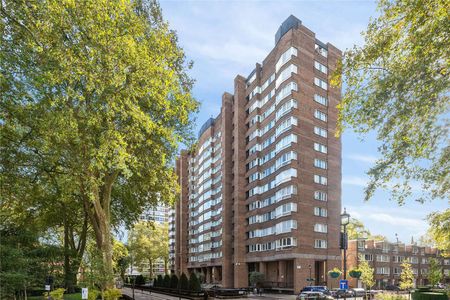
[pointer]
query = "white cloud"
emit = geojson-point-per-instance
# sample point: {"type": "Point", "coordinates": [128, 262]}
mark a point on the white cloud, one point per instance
{"type": "Point", "coordinates": [354, 180]}
{"type": "Point", "coordinates": [362, 157]}
{"type": "Point", "coordinates": [395, 220]}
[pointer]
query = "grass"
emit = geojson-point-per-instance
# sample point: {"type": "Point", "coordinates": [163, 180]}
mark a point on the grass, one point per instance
{"type": "Point", "coordinates": [76, 296]}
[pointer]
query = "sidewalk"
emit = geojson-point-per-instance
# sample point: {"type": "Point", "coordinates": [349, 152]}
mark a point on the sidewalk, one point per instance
{"type": "Point", "coordinates": [145, 295]}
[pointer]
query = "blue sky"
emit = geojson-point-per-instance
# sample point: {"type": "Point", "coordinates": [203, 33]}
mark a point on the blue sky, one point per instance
{"type": "Point", "coordinates": [226, 38]}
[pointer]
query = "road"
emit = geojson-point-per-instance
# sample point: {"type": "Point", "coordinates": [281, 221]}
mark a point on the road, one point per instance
{"type": "Point", "coordinates": [145, 295]}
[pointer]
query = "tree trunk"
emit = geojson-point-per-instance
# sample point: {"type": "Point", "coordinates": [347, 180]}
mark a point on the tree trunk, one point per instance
{"type": "Point", "coordinates": [98, 208]}
{"type": "Point", "coordinates": [68, 283]}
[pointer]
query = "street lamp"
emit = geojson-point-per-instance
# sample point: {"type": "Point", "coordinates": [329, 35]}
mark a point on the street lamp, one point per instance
{"type": "Point", "coordinates": [345, 219]}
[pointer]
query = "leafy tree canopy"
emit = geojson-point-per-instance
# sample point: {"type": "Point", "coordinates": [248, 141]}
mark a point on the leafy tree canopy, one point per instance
{"type": "Point", "coordinates": [406, 277]}
{"type": "Point", "coordinates": [439, 230]}
{"type": "Point", "coordinates": [397, 84]}
{"type": "Point", "coordinates": [96, 94]}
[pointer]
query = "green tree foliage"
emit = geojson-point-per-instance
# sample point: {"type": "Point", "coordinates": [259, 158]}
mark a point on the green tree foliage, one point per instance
{"type": "Point", "coordinates": [25, 261]}
{"type": "Point", "coordinates": [406, 277]}
{"type": "Point", "coordinates": [159, 281]}
{"type": "Point", "coordinates": [149, 242]}
{"type": "Point", "coordinates": [397, 84]}
{"type": "Point", "coordinates": [183, 283]}
{"type": "Point", "coordinates": [174, 281]}
{"type": "Point", "coordinates": [194, 283]}
{"type": "Point", "coordinates": [166, 281]}
{"type": "Point", "coordinates": [367, 277]}
{"type": "Point", "coordinates": [256, 278]}
{"type": "Point", "coordinates": [434, 272]}
{"type": "Point", "coordinates": [140, 279]}
{"type": "Point", "coordinates": [96, 94]}
{"type": "Point", "coordinates": [121, 259]}
{"type": "Point", "coordinates": [440, 230]}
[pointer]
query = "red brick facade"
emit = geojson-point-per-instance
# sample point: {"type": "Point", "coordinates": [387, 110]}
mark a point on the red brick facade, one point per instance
{"type": "Point", "coordinates": [262, 191]}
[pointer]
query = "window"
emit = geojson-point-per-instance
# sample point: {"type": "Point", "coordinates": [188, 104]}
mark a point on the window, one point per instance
{"type": "Point", "coordinates": [318, 163]}
{"type": "Point", "coordinates": [320, 179]}
{"type": "Point", "coordinates": [286, 243]}
{"type": "Point", "coordinates": [285, 176]}
{"type": "Point", "coordinates": [383, 270]}
{"type": "Point", "coordinates": [285, 91]}
{"type": "Point", "coordinates": [320, 244]}
{"type": "Point", "coordinates": [383, 258]}
{"type": "Point", "coordinates": [368, 257]}
{"type": "Point", "coordinates": [321, 50]}
{"type": "Point", "coordinates": [253, 177]}
{"type": "Point", "coordinates": [285, 226]}
{"type": "Point", "coordinates": [285, 158]}
{"type": "Point", "coordinates": [320, 67]}
{"type": "Point", "coordinates": [320, 212]}
{"type": "Point", "coordinates": [286, 125]}
{"type": "Point", "coordinates": [320, 83]}
{"type": "Point", "coordinates": [321, 196]}
{"type": "Point", "coordinates": [285, 74]}
{"type": "Point", "coordinates": [286, 142]}
{"type": "Point", "coordinates": [321, 228]}
{"type": "Point", "coordinates": [320, 148]}
{"type": "Point", "coordinates": [285, 108]}
{"type": "Point", "coordinates": [320, 131]}
{"type": "Point", "coordinates": [321, 99]}
{"type": "Point", "coordinates": [320, 115]}
{"type": "Point", "coordinates": [361, 245]}
{"type": "Point", "coordinates": [285, 57]}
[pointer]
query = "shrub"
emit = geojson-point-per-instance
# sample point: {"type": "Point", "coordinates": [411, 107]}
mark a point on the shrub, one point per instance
{"type": "Point", "coordinates": [93, 294]}
{"type": "Point", "coordinates": [57, 294]}
{"type": "Point", "coordinates": [159, 281]}
{"type": "Point", "coordinates": [183, 283]}
{"type": "Point", "coordinates": [112, 294]}
{"type": "Point", "coordinates": [418, 295]}
{"type": "Point", "coordinates": [166, 282]}
{"type": "Point", "coordinates": [256, 278]}
{"type": "Point", "coordinates": [140, 280]}
{"type": "Point", "coordinates": [387, 296]}
{"type": "Point", "coordinates": [194, 283]}
{"type": "Point", "coordinates": [174, 281]}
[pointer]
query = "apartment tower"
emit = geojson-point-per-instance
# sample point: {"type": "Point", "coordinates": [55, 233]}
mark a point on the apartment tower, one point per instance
{"type": "Point", "coordinates": [261, 190]}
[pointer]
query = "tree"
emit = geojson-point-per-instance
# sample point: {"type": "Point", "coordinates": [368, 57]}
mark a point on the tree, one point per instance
{"type": "Point", "coordinates": [121, 259]}
{"type": "Point", "coordinates": [194, 283]}
{"type": "Point", "coordinates": [173, 281]}
{"type": "Point", "coordinates": [397, 85]}
{"type": "Point", "coordinates": [356, 229]}
{"type": "Point", "coordinates": [97, 92]}
{"type": "Point", "coordinates": [434, 272]}
{"type": "Point", "coordinates": [440, 230]}
{"type": "Point", "coordinates": [366, 273]}
{"type": "Point", "coordinates": [256, 278]}
{"type": "Point", "coordinates": [406, 277]}
{"type": "Point", "coordinates": [183, 283]}
{"type": "Point", "coordinates": [149, 241]}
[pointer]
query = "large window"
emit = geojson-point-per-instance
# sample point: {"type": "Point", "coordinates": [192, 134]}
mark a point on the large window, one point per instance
{"type": "Point", "coordinates": [320, 195]}
{"type": "Point", "coordinates": [320, 83]}
{"type": "Point", "coordinates": [320, 131]}
{"type": "Point", "coordinates": [320, 212]}
{"type": "Point", "coordinates": [320, 180]}
{"type": "Point", "coordinates": [322, 164]}
{"type": "Point", "coordinates": [320, 67]}
{"type": "Point", "coordinates": [320, 244]}
{"type": "Point", "coordinates": [321, 99]}
{"type": "Point", "coordinates": [320, 148]}
{"type": "Point", "coordinates": [320, 115]}
{"type": "Point", "coordinates": [285, 74]}
{"type": "Point", "coordinates": [285, 91]}
{"type": "Point", "coordinates": [323, 228]}
{"type": "Point", "coordinates": [285, 57]}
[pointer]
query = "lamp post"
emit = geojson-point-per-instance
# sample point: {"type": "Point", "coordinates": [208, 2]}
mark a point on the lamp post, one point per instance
{"type": "Point", "coordinates": [345, 219]}
{"type": "Point", "coordinates": [310, 279]}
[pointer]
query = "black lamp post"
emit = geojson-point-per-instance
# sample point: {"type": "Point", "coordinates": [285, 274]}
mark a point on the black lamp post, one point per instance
{"type": "Point", "coordinates": [310, 279]}
{"type": "Point", "coordinates": [345, 219]}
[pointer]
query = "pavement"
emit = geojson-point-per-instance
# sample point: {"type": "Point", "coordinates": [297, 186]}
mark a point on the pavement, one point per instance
{"type": "Point", "coordinates": [147, 295]}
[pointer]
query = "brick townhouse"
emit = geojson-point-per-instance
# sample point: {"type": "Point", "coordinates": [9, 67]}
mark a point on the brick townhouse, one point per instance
{"type": "Point", "coordinates": [386, 259]}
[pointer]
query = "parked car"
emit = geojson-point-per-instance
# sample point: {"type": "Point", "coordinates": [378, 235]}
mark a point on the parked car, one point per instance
{"type": "Point", "coordinates": [359, 292]}
{"type": "Point", "coordinates": [342, 293]}
{"type": "Point", "coordinates": [392, 288]}
{"type": "Point", "coordinates": [316, 288]}
{"type": "Point", "coordinates": [309, 295]}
